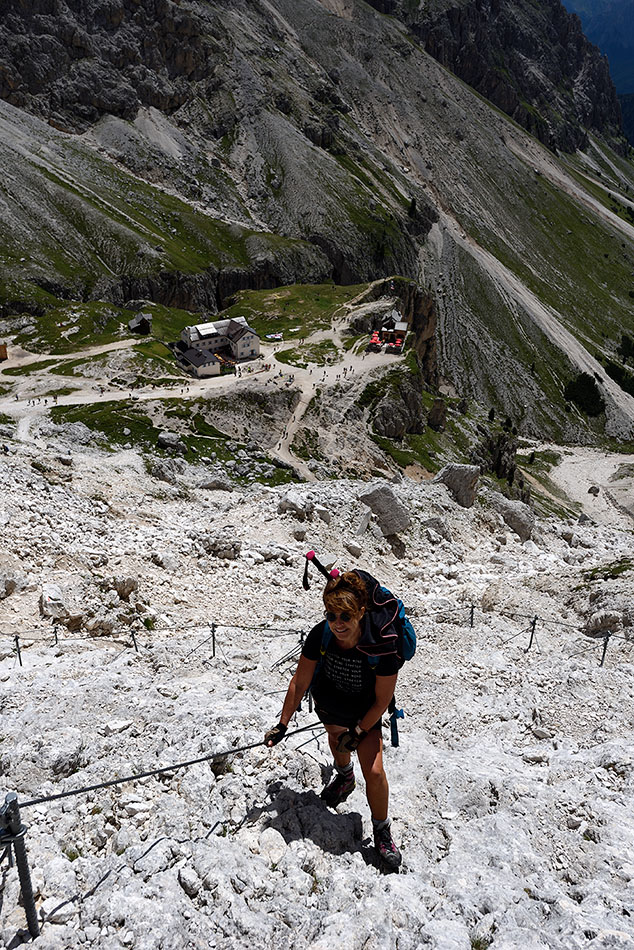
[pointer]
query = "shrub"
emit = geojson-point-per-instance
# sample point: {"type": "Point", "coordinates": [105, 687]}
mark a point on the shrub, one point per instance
{"type": "Point", "coordinates": [626, 347]}
{"type": "Point", "coordinates": [622, 376]}
{"type": "Point", "coordinates": [584, 392]}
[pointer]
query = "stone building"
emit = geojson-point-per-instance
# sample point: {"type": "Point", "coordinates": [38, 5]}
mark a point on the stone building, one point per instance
{"type": "Point", "coordinates": [234, 338]}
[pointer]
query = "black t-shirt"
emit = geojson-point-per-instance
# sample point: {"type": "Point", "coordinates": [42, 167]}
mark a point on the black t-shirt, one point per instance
{"type": "Point", "coordinates": [345, 682]}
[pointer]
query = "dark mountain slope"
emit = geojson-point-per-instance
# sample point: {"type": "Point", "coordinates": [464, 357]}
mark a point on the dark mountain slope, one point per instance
{"type": "Point", "coordinates": [530, 59]}
{"type": "Point", "coordinates": [627, 108]}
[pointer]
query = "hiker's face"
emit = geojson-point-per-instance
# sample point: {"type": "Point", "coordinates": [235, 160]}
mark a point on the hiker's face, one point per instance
{"type": "Point", "coordinates": [345, 622]}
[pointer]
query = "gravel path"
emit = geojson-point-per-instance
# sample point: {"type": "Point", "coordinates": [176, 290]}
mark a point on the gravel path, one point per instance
{"type": "Point", "coordinates": [582, 468]}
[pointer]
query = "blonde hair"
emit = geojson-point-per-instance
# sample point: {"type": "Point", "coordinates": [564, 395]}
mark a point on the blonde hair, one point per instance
{"type": "Point", "coordinates": [346, 592]}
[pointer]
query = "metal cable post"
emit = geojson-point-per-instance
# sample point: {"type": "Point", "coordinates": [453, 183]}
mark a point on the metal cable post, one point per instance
{"type": "Point", "coordinates": [213, 641]}
{"type": "Point", "coordinates": [530, 642]}
{"type": "Point", "coordinates": [472, 612]}
{"type": "Point", "coordinates": [17, 646]}
{"type": "Point", "coordinates": [12, 832]}
{"type": "Point", "coordinates": [606, 640]}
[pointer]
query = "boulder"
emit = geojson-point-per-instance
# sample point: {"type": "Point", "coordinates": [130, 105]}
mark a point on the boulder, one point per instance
{"type": "Point", "coordinates": [189, 881]}
{"type": "Point", "coordinates": [364, 521]}
{"type": "Point", "coordinates": [296, 503]}
{"type": "Point", "coordinates": [397, 545]}
{"type": "Point", "coordinates": [223, 544]}
{"type": "Point", "coordinates": [323, 514]}
{"type": "Point", "coordinates": [217, 484]}
{"type": "Point", "coordinates": [438, 526]}
{"type": "Point", "coordinates": [101, 624]}
{"type": "Point", "coordinates": [63, 751]}
{"type": "Point", "coordinates": [392, 516]}
{"type": "Point", "coordinates": [166, 561]}
{"type": "Point", "coordinates": [8, 584]}
{"type": "Point", "coordinates": [125, 586]}
{"type": "Point", "coordinates": [518, 516]}
{"type": "Point", "coordinates": [52, 602]}
{"type": "Point", "coordinates": [603, 621]}
{"type": "Point", "coordinates": [171, 441]}
{"type": "Point", "coordinates": [167, 470]}
{"type": "Point", "coordinates": [462, 482]}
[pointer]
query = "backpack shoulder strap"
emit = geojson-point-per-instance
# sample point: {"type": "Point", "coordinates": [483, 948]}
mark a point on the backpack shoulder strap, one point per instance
{"type": "Point", "coordinates": [326, 637]}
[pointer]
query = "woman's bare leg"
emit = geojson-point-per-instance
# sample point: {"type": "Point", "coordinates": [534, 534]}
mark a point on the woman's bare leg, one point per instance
{"type": "Point", "coordinates": [342, 759]}
{"type": "Point", "coordinates": [377, 791]}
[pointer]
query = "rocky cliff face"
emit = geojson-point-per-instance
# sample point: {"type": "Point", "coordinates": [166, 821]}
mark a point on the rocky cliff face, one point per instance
{"type": "Point", "coordinates": [531, 60]}
{"type": "Point", "coordinates": [72, 63]}
{"type": "Point", "coordinates": [609, 24]}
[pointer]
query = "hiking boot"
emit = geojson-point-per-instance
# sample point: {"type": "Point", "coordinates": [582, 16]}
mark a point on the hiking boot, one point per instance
{"type": "Point", "coordinates": [341, 787]}
{"type": "Point", "coordinates": [389, 855]}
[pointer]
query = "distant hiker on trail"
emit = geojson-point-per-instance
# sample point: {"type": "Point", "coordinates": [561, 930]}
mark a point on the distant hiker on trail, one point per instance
{"type": "Point", "coordinates": [351, 695]}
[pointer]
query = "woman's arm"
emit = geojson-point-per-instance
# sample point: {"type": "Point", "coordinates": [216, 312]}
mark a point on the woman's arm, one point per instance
{"type": "Point", "coordinates": [383, 692]}
{"type": "Point", "coordinates": [299, 684]}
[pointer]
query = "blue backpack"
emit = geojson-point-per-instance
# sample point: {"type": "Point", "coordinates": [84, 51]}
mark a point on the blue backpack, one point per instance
{"type": "Point", "coordinates": [386, 629]}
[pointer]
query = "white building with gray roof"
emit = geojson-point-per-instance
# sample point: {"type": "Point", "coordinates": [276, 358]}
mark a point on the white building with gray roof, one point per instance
{"type": "Point", "coordinates": [234, 335]}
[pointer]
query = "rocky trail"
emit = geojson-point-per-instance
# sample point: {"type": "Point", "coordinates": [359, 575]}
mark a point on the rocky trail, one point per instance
{"type": "Point", "coordinates": [602, 483]}
{"type": "Point", "coordinates": [511, 790]}
{"type": "Point", "coordinates": [151, 602]}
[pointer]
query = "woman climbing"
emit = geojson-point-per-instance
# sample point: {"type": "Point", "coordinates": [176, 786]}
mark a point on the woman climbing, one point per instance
{"type": "Point", "coordinates": [350, 694]}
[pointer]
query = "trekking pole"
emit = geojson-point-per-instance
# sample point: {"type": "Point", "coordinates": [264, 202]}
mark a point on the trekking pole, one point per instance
{"type": "Point", "coordinates": [12, 832]}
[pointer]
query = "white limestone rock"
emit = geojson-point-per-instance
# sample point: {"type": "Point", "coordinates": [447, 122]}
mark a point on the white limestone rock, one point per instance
{"type": "Point", "coordinates": [52, 603]}
{"type": "Point", "coordinates": [392, 516]}
{"type": "Point", "coordinates": [462, 482]}
{"type": "Point", "coordinates": [63, 751]}
{"type": "Point", "coordinates": [297, 503]}
{"type": "Point", "coordinates": [518, 516]}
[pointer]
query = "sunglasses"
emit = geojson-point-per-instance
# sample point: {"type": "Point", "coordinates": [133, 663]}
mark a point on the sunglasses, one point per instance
{"type": "Point", "coordinates": [344, 616]}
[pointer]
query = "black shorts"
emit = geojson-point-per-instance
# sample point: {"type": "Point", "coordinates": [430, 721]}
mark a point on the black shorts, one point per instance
{"type": "Point", "coordinates": [330, 719]}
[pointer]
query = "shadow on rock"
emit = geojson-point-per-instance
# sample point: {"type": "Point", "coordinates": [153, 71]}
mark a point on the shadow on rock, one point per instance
{"type": "Point", "coordinates": [303, 815]}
